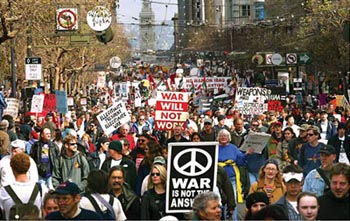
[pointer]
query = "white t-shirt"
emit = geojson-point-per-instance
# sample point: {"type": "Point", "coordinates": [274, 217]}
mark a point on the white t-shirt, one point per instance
{"type": "Point", "coordinates": [85, 203]}
{"type": "Point", "coordinates": [23, 191]}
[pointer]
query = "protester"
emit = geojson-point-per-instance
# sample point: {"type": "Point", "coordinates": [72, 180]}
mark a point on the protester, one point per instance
{"type": "Point", "coordinates": [271, 212]}
{"type": "Point", "coordinates": [100, 155]}
{"type": "Point", "coordinates": [49, 203]}
{"type": "Point", "coordinates": [119, 188]}
{"type": "Point", "coordinates": [254, 203]}
{"type": "Point", "coordinates": [4, 140]}
{"type": "Point", "coordinates": [341, 143]}
{"type": "Point", "coordinates": [307, 205]}
{"type": "Point", "coordinates": [68, 198]}
{"type": "Point", "coordinates": [177, 137]}
{"type": "Point", "coordinates": [335, 204]}
{"type": "Point", "coordinates": [124, 133]}
{"type": "Point", "coordinates": [96, 197]}
{"type": "Point", "coordinates": [206, 206]}
{"type": "Point", "coordinates": [295, 144]}
{"type": "Point", "coordinates": [269, 181]}
{"type": "Point", "coordinates": [22, 188]}
{"type": "Point", "coordinates": [208, 132]}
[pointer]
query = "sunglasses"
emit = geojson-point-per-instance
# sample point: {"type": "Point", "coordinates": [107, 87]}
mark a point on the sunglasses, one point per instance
{"type": "Point", "coordinates": [155, 174]}
{"type": "Point", "coordinates": [310, 135]}
{"type": "Point", "coordinates": [207, 123]}
{"type": "Point", "coordinates": [255, 125]}
{"type": "Point", "coordinates": [141, 140]}
{"type": "Point", "coordinates": [73, 144]}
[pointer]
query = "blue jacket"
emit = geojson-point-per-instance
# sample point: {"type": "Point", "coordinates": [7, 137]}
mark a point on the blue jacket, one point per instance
{"type": "Point", "coordinates": [314, 183]}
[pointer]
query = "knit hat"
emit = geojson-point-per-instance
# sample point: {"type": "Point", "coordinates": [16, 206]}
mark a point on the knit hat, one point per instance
{"type": "Point", "coordinates": [116, 145]}
{"type": "Point", "coordinates": [256, 197]}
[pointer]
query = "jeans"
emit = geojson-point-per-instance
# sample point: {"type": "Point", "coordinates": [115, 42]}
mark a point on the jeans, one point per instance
{"type": "Point", "coordinates": [233, 182]}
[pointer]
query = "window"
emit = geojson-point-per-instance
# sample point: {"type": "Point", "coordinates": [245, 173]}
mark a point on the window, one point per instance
{"type": "Point", "coordinates": [245, 10]}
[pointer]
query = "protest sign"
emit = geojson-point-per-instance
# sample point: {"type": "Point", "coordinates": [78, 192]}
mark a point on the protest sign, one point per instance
{"type": "Point", "coordinates": [255, 140]}
{"type": "Point", "coordinates": [12, 107]}
{"type": "Point", "coordinates": [61, 102]}
{"type": "Point", "coordinates": [192, 169]}
{"type": "Point", "coordinates": [112, 118]}
{"type": "Point", "coordinates": [37, 103]}
{"type": "Point", "coordinates": [49, 103]}
{"type": "Point", "coordinates": [171, 110]}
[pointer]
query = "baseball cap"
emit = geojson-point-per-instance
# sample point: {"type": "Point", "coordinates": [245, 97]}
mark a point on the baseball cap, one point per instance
{"type": "Point", "coordinates": [116, 145]}
{"type": "Point", "coordinates": [159, 160]}
{"type": "Point", "coordinates": [315, 129]}
{"type": "Point", "coordinates": [67, 188]}
{"type": "Point", "coordinates": [208, 120]}
{"type": "Point", "coordinates": [327, 149]}
{"type": "Point", "coordinates": [304, 127]}
{"type": "Point", "coordinates": [18, 144]}
{"type": "Point", "coordinates": [277, 123]}
{"type": "Point", "coordinates": [291, 175]}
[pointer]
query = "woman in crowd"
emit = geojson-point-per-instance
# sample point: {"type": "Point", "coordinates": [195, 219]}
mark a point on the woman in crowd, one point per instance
{"type": "Point", "coordinates": [86, 141]}
{"type": "Point", "coordinates": [49, 203]}
{"type": "Point", "coordinates": [206, 206]}
{"type": "Point", "coordinates": [287, 135]}
{"type": "Point", "coordinates": [153, 200]}
{"type": "Point", "coordinates": [269, 181]}
{"type": "Point", "coordinates": [307, 205]}
{"type": "Point", "coordinates": [254, 203]}
{"type": "Point", "coordinates": [195, 137]}
{"type": "Point", "coordinates": [230, 157]}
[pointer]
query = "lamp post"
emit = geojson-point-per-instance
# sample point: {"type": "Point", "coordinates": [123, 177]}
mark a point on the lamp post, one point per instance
{"type": "Point", "coordinates": [13, 60]}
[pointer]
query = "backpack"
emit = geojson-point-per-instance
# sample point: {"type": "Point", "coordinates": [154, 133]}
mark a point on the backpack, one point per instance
{"type": "Point", "coordinates": [23, 211]}
{"type": "Point", "coordinates": [107, 214]}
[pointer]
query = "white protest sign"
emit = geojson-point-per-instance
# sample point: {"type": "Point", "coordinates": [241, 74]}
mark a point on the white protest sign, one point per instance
{"type": "Point", "coordinates": [37, 103]}
{"type": "Point", "coordinates": [12, 107]}
{"type": "Point", "coordinates": [112, 118]}
{"type": "Point", "coordinates": [257, 141]}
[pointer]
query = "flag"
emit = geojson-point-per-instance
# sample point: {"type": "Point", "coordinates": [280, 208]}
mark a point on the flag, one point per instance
{"type": "Point", "coordinates": [151, 80]}
{"type": "Point", "coordinates": [172, 78]}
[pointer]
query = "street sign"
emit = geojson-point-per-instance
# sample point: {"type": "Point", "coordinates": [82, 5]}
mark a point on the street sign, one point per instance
{"type": "Point", "coordinates": [276, 59]}
{"type": "Point", "coordinates": [268, 59]}
{"type": "Point", "coordinates": [257, 59]}
{"type": "Point", "coordinates": [33, 68]}
{"type": "Point", "coordinates": [115, 62]}
{"type": "Point", "coordinates": [67, 19]}
{"type": "Point", "coordinates": [304, 58]}
{"type": "Point", "coordinates": [291, 58]}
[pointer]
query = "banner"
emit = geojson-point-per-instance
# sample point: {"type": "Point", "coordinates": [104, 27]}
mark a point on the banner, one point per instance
{"type": "Point", "coordinates": [12, 107]}
{"type": "Point", "coordinates": [257, 141]}
{"type": "Point", "coordinates": [251, 95]}
{"type": "Point", "coordinates": [211, 82]}
{"type": "Point", "coordinates": [171, 110]}
{"type": "Point", "coordinates": [61, 102]}
{"type": "Point", "coordinates": [252, 109]}
{"type": "Point", "coordinates": [192, 169]}
{"type": "Point", "coordinates": [112, 118]}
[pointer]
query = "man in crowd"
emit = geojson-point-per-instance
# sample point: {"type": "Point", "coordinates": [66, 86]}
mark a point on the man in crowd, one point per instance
{"type": "Point", "coordinates": [327, 128]}
{"type": "Point", "coordinates": [239, 133]}
{"type": "Point", "coordinates": [317, 180]}
{"type": "Point", "coordinates": [72, 165]}
{"type": "Point", "coordinates": [341, 143]}
{"type": "Point", "coordinates": [124, 133]}
{"type": "Point", "coordinates": [177, 137]}
{"type": "Point", "coordinates": [335, 204]}
{"type": "Point", "coordinates": [120, 189]}
{"type": "Point", "coordinates": [68, 198]}
{"type": "Point", "coordinates": [208, 133]}
{"type": "Point", "coordinates": [45, 154]}
{"type": "Point", "coordinates": [295, 144]}
{"type": "Point", "coordinates": [293, 180]}
{"type": "Point", "coordinates": [116, 158]}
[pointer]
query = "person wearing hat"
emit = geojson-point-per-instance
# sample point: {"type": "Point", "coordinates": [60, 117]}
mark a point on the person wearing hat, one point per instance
{"type": "Point", "coordinates": [100, 155]}
{"type": "Point", "coordinates": [295, 144]}
{"type": "Point", "coordinates": [71, 165]}
{"type": "Point", "coordinates": [341, 143]}
{"type": "Point", "coordinates": [293, 180]}
{"type": "Point", "coordinates": [254, 203]}
{"type": "Point", "coordinates": [317, 180]}
{"type": "Point", "coordinates": [306, 119]}
{"type": "Point", "coordinates": [309, 157]}
{"type": "Point", "coordinates": [274, 144]}
{"type": "Point", "coordinates": [7, 176]}
{"type": "Point", "coordinates": [221, 124]}
{"type": "Point", "coordinates": [115, 151]}
{"type": "Point", "coordinates": [67, 196]}
{"type": "Point", "coordinates": [208, 132]}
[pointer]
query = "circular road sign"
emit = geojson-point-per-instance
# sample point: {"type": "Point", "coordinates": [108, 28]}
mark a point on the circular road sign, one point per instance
{"type": "Point", "coordinates": [276, 59]}
{"type": "Point", "coordinates": [115, 62]}
{"type": "Point", "coordinates": [66, 19]}
{"type": "Point", "coordinates": [99, 18]}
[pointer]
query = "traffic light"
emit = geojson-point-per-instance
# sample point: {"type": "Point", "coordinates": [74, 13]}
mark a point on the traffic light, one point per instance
{"type": "Point", "coordinates": [105, 36]}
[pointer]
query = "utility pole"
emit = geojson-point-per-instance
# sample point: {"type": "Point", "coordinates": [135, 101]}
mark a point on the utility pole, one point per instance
{"type": "Point", "coordinates": [176, 36]}
{"type": "Point", "coordinates": [13, 59]}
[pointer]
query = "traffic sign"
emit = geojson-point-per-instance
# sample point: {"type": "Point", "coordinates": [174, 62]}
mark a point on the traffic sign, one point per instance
{"type": "Point", "coordinates": [276, 59]}
{"type": "Point", "coordinates": [257, 59]}
{"type": "Point", "coordinates": [268, 58]}
{"type": "Point", "coordinates": [67, 19]}
{"type": "Point", "coordinates": [291, 58]}
{"type": "Point", "coordinates": [304, 58]}
{"type": "Point", "coordinates": [33, 68]}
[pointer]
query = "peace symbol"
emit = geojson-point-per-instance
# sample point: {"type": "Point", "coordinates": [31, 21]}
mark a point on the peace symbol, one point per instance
{"type": "Point", "coordinates": [192, 165]}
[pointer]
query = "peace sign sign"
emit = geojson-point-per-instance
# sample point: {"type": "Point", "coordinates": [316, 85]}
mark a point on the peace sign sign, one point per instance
{"type": "Point", "coordinates": [192, 167]}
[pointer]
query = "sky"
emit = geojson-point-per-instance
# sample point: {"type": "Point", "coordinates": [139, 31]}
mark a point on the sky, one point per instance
{"type": "Point", "coordinates": [132, 8]}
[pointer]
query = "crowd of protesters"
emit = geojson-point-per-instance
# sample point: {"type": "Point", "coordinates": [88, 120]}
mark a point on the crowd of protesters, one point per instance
{"type": "Point", "coordinates": [303, 172]}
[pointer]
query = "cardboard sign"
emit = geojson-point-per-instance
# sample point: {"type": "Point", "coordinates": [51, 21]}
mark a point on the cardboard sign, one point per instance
{"type": "Point", "coordinates": [61, 102]}
{"type": "Point", "coordinates": [257, 141]}
{"type": "Point", "coordinates": [12, 107]}
{"type": "Point", "coordinates": [192, 169]}
{"type": "Point", "coordinates": [50, 102]}
{"type": "Point", "coordinates": [112, 118]}
{"type": "Point", "coordinates": [171, 110]}
{"type": "Point", "coordinates": [37, 103]}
